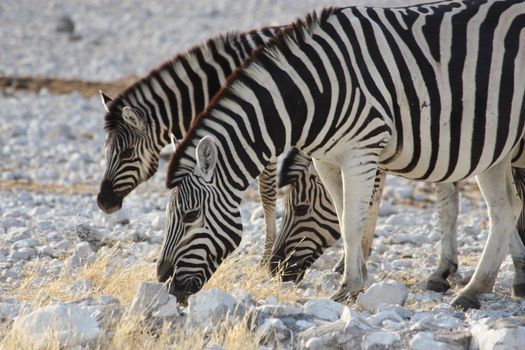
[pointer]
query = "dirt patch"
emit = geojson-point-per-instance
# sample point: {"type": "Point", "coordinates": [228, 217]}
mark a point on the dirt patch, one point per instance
{"type": "Point", "coordinates": [63, 86]}
{"type": "Point", "coordinates": [47, 187]}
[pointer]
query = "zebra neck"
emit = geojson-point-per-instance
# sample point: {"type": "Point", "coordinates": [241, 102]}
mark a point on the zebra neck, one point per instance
{"type": "Point", "coordinates": [179, 90]}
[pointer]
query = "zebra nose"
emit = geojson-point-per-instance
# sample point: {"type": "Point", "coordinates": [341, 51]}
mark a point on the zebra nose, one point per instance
{"type": "Point", "coordinates": [107, 200]}
{"type": "Point", "coordinates": [164, 271]}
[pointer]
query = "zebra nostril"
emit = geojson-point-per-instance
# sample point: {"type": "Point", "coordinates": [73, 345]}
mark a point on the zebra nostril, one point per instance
{"type": "Point", "coordinates": [164, 271]}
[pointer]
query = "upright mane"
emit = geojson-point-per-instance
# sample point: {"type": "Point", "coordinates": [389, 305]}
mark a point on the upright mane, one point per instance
{"type": "Point", "coordinates": [294, 32]}
{"type": "Point", "coordinates": [113, 117]}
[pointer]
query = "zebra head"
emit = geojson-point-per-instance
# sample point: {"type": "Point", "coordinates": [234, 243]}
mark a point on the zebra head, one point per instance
{"type": "Point", "coordinates": [132, 153]}
{"type": "Point", "coordinates": [202, 226]}
{"type": "Point", "coordinates": [309, 221]}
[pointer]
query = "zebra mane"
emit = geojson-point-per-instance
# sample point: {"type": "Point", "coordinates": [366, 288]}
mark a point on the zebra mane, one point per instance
{"type": "Point", "coordinates": [113, 118]}
{"type": "Point", "coordinates": [295, 32]}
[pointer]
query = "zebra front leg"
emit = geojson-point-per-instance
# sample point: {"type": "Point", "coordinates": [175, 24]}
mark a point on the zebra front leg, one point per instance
{"type": "Point", "coordinates": [267, 193]}
{"type": "Point", "coordinates": [357, 174]}
{"type": "Point", "coordinates": [503, 205]}
{"type": "Point", "coordinates": [447, 202]}
{"type": "Point", "coordinates": [517, 245]}
{"type": "Point", "coordinates": [371, 221]}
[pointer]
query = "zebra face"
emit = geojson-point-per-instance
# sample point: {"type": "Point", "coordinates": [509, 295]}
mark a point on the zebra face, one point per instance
{"type": "Point", "coordinates": [202, 227]}
{"type": "Point", "coordinates": [309, 221]}
{"type": "Point", "coordinates": [132, 157]}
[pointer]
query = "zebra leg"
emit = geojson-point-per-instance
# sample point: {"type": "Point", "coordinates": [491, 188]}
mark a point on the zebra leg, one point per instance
{"type": "Point", "coordinates": [447, 202]}
{"type": "Point", "coordinates": [503, 207]}
{"type": "Point", "coordinates": [371, 221]}
{"type": "Point", "coordinates": [267, 193]}
{"type": "Point", "coordinates": [517, 246]}
{"type": "Point", "coordinates": [352, 198]}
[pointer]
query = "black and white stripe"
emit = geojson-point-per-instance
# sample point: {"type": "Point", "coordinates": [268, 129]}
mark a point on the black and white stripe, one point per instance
{"type": "Point", "coordinates": [431, 92]}
{"type": "Point", "coordinates": [310, 225]}
{"type": "Point", "coordinates": [164, 103]}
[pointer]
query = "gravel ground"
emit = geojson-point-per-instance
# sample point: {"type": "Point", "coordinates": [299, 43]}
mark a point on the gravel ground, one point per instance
{"type": "Point", "coordinates": [51, 150]}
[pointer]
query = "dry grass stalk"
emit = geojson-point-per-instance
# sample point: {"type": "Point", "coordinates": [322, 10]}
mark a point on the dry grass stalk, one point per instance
{"type": "Point", "coordinates": [108, 274]}
{"type": "Point", "coordinates": [244, 272]}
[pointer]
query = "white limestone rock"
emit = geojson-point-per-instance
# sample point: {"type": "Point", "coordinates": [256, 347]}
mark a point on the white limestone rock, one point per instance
{"type": "Point", "coordinates": [324, 309]}
{"type": "Point", "coordinates": [169, 309]}
{"type": "Point", "coordinates": [208, 308]}
{"type": "Point", "coordinates": [70, 325]}
{"type": "Point", "coordinates": [82, 256]}
{"type": "Point", "coordinates": [347, 333]}
{"type": "Point", "coordinates": [435, 321]}
{"type": "Point", "coordinates": [425, 341]}
{"type": "Point", "coordinates": [9, 311]}
{"type": "Point", "coordinates": [380, 340]}
{"type": "Point", "coordinates": [149, 297]}
{"type": "Point", "coordinates": [273, 331]}
{"type": "Point", "coordinates": [504, 334]}
{"type": "Point", "coordinates": [400, 310]}
{"type": "Point", "coordinates": [380, 317]}
{"type": "Point", "coordinates": [386, 292]}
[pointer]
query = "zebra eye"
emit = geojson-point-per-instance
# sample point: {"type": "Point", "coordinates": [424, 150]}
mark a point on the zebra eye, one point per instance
{"type": "Point", "coordinates": [191, 216]}
{"type": "Point", "coordinates": [126, 153]}
{"type": "Point", "coordinates": [302, 209]}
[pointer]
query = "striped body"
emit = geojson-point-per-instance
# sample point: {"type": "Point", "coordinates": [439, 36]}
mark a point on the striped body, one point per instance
{"type": "Point", "coordinates": [359, 90]}
{"type": "Point", "coordinates": [309, 219]}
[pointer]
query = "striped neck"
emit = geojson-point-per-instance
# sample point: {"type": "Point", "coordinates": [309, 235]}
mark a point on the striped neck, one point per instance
{"type": "Point", "coordinates": [174, 93]}
{"type": "Point", "coordinates": [268, 106]}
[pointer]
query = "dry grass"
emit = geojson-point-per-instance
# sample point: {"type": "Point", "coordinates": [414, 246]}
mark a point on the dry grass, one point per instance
{"type": "Point", "coordinates": [109, 276]}
{"type": "Point", "coordinates": [63, 86]}
{"type": "Point", "coordinates": [244, 272]}
{"type": "Point", "coordinates": [131, 333]}
{"type": "Point", "coordinates": [47, 188]}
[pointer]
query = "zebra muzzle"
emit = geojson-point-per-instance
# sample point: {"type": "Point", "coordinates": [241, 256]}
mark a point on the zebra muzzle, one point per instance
{"type": "Point", "coordinates": [107, 200]}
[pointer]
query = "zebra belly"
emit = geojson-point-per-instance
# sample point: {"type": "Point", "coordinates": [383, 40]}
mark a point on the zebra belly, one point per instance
{"type": "Point", "coordinates": [450, 165]}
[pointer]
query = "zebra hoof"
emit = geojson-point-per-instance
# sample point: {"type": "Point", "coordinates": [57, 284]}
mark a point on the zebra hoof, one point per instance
{"type": "Point", "coordinates": [519, 290]}
{"type": "Point", "coordinates": [344, 296]}
{"type": "Point", "coordinates": [465, 303]}
{"type": "Point", "coordinates": [439, 285]}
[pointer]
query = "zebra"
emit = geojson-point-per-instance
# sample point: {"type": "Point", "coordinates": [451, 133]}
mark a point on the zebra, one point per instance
{"type": "Point", "coordinates": [359, 89]}
{"type": "Point", "coordinates": [310, 225]}
{"type": "Point", "coordinates": [144, 117]}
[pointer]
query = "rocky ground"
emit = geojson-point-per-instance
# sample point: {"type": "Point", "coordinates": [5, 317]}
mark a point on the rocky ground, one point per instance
{"type": "Point", "coordinates": [71, 276]}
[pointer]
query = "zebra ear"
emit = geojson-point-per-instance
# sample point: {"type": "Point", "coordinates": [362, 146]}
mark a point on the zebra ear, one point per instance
{"type": "Point", "coordinates": [207, 155]}
{"type": "Point", "coordinates": [131, 117]}
{"type": "Point", "coordinates": [106, 100]}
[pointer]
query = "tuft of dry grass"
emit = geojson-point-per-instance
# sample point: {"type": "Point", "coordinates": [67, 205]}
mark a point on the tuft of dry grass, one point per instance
{"type": "Point", "coordinates": [132, 333]}
{"type": "Point", "coordinates": [244, 272]}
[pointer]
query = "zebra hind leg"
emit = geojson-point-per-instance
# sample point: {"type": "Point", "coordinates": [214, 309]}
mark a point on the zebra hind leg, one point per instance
{"type": "Point", "coordinates": [517, 246]}
{"type": "Point", "coordinates": [267, 193]}
{"type": "Point", "coordinates": [503, 204]}
{"type": "Point", "coordinates": [447, 202]}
